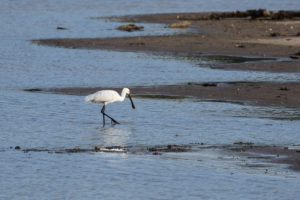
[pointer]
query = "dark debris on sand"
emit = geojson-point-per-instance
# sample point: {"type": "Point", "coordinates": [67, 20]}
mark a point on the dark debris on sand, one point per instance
{"type": "Point", "coordinates": [271, 153]}
{"type": "Point", "coordinates": [249, 14]}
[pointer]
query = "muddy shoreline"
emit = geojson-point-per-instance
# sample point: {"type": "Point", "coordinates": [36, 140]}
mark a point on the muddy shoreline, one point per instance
{"type": "Point", "coordinates": [260, 33]}
{"type": "Point", "coordinates": [249, 93]}
{"type": "Point", "coordinates": [280, 67]}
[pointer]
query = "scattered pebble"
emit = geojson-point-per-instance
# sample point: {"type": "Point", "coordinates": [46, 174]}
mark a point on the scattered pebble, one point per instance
{"type": "Point", "coordinates": [295, 56]}
{"type": "Point", "coordinates": [239, 45]}
{"type": "Point", "coordinates": [209, 84]}
{"type": "Point", "coordinates": [130, 28]}
{"type": "Point", "coordinates": [243, 143]}
{"type": "Point", "coordinates": [275, 34]}
{"type": "Point", "coordinates": [137, 43]}
{"type": "Point", "coordinates": [183, 24]}
{"type": "Point", "coordinates": [61, 28]}
{"type": "Point", "coordinates": [284, 89]}
{"type": "Point", "coordinates": [97, 148]}
{"type": "Point", "coordinates": [33, 90]}
{"type": "Point", "coordinates": [157, 153]}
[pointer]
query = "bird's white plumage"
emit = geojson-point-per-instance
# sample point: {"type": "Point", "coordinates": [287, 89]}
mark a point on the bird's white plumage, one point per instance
{"type": "Point", "coordinates": [107, 96]}
{"type": "Point", "coordinates": [103, 96]}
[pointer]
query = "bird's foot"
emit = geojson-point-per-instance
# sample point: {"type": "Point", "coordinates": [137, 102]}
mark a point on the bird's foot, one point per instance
{"type": "Point", "coordinates": [114, 121]}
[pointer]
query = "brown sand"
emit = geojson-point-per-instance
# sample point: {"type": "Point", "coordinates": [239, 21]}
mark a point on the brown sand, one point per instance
{"type": "Point", "coordinates": [252, 93]}
{"type": "Point", "coordinates": [190, 44]}
{"type": "Point", "coordinates": [236, 35]}
{"type": "Point", "coordinates": [282, 67]}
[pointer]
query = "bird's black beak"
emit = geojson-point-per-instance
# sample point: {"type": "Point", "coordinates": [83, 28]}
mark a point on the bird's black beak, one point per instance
{"type": "Point", "coordinates": [132, 104]}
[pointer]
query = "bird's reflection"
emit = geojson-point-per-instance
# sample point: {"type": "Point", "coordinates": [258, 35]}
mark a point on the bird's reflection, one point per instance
{"type": "Point", "coordinates": [115, 136]}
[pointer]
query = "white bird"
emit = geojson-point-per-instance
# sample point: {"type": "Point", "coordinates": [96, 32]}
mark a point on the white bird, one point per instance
{"type": "Point", "coordinates": [106, 97]}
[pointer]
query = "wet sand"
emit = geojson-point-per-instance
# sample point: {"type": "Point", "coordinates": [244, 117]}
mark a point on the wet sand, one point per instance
{"type": "Point", "coordinates": [186, 44]}
{"type": "Point", "coordinates": [250, 93]}
{"type": "Point", "coordinates": [281, 67]}
{"type": "Point", "coordinates": [208, 33]}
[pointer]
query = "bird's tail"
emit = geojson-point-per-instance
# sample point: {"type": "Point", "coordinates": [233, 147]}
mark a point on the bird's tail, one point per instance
{"type": "Point", "coordinates": [89, 98]}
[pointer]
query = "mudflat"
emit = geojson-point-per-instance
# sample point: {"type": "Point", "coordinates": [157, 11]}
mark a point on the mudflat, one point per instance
{"type": "Point", "coordinates": [251, 93]}
{"type": "Point", "coordinates": [250, 33]}
{"type": "Point", "coordinates": [208, 33]}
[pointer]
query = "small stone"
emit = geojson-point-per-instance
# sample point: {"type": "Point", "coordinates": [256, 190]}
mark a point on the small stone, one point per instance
{"type": "Point", "coordinates": [239, 45]}
{"type": "Point", "coordinates": [33, 90]}
{"type": "Point", "coordinates": [97, 148]}
{"type": "Point", "coordinates": [183, 24]}
{"type": "Point", "coordinates": [130, 28]}
{"type": "Point", "coordinates": [61, 28]}
{"type": "Point", "coordinates": [209, 84]}
{"type": "Point", "coordinates": [284, 89]}
{"type": "Point", "coordinates": [275, 34]}
{"type": "Point", "coordinates": [295, 57]}
{"type": "Point", "coordinates": [157, 153]}
{"type": "Point", "coordinates": [17, 147]}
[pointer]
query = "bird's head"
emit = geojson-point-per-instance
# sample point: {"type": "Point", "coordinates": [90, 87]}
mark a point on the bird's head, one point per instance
{"type": "Point", "coordinates": [126, 91]}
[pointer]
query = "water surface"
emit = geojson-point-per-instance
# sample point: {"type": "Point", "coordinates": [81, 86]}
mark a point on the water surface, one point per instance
{"type": "Point", "coordinates": [51, 121]}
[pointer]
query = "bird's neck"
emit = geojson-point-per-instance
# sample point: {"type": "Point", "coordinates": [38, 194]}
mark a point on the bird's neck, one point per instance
{"type": "Point", "coordinates": [123, 96]}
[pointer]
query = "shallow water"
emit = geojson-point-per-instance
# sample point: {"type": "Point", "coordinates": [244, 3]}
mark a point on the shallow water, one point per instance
{"type": "Point", "coordinates": [51, 121]}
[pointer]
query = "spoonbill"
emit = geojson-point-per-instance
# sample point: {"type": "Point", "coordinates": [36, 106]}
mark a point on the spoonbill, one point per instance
{"type": "Point", "coordinates": [106, 97]}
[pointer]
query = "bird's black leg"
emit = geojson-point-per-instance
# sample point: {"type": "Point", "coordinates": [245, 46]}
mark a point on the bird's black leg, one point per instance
{"type": "Point", "coordinates": [112, 119]}
{"type": "Point", "coordinates": [102, 111]}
